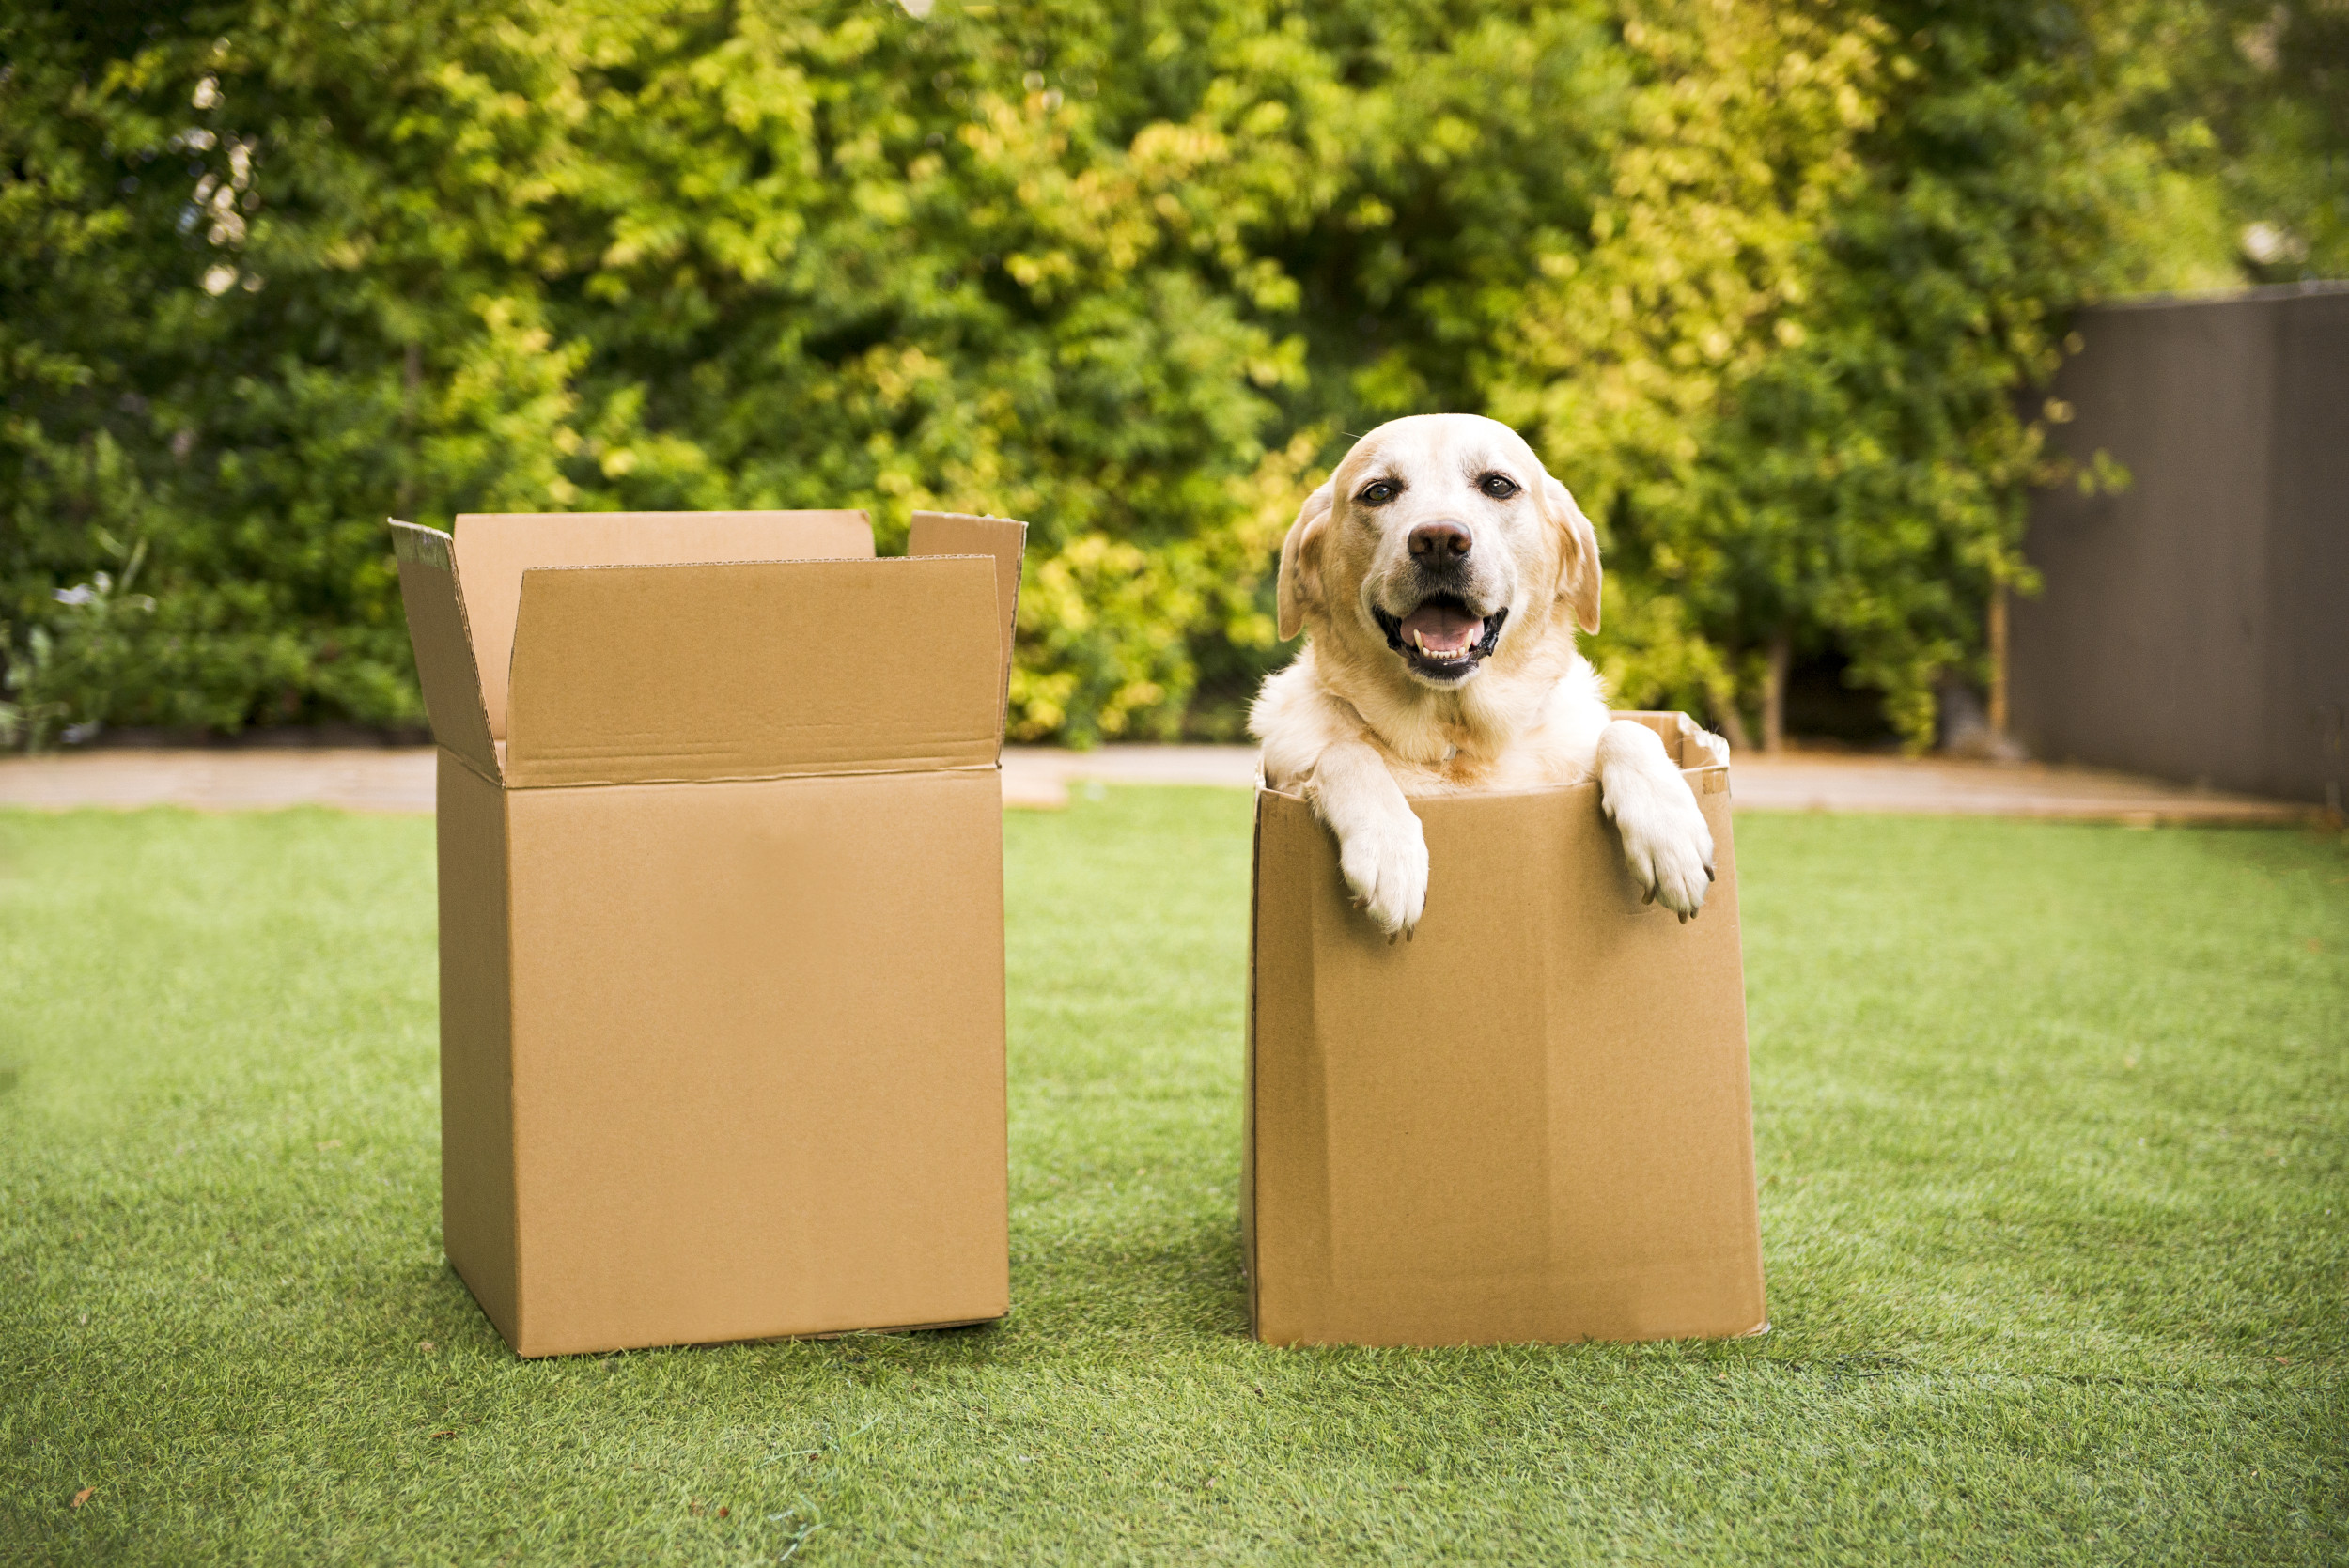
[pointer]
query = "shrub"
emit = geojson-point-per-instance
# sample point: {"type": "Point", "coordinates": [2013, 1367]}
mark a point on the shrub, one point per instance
{"type": "Point", "coordinates": [1763, 283]}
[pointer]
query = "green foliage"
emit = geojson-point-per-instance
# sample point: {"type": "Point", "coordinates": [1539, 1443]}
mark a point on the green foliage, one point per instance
{"type": "Point", "coordinates": [1764, 285]}
{"type": "Point", "coordinates": [2247, 102]}
{"type": "Point", "coordinates": [78, 667]}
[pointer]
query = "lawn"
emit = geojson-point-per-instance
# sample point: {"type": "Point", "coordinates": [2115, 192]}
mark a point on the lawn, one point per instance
{"type": "Point", "coordinates": [2053, 1129]}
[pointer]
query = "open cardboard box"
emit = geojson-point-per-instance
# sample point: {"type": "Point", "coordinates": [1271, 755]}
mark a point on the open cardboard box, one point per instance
{"type": "Point", "coordinates": [722, 920]}
{"type": "Point", "coordinates": [1528, 1123]}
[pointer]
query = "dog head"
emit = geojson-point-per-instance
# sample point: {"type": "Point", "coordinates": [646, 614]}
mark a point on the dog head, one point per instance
{"type": "Point", "coordinates": [1443, 541]}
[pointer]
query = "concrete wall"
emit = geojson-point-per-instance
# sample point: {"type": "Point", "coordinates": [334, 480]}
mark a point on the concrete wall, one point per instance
{"type": "Point", "coordinates": [2195, 626]}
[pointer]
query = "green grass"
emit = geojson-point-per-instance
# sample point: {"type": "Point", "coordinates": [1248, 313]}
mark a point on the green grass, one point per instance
{"type": "Point", "coordinates": [2054, 1134]}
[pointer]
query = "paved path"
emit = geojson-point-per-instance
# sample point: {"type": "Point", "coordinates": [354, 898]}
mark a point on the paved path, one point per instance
{"type": "Point", "coordinates": [386, 780]}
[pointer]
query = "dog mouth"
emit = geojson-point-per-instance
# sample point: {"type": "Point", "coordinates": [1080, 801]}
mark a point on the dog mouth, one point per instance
{"type": "Point", "coordinates": [1442, 640]}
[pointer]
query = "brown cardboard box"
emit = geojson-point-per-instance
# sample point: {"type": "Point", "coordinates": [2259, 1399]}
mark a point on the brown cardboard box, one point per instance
{"type": "Point", "coordinates": [1528, 1123]}
{"type": "Point", "coordinates": [722, 920]}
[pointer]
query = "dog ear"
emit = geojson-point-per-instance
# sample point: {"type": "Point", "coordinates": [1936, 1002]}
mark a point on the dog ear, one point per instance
{"type": "Point", "coordinates": [1300, 563]}
{"type": "Point", "coordinates": [1578, 570]}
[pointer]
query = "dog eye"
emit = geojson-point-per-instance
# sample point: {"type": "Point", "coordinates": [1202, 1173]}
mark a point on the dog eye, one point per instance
{"type": "Point", "coordinates": [1499, 486]}
{"type": "Point", "coordinates": [1379, 493]}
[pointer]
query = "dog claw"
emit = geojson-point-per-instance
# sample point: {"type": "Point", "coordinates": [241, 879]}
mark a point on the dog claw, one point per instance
{"type": "Point", "coordinates": [1708, 875]}
{"type": "Point", "coordinates": [1650, 898]}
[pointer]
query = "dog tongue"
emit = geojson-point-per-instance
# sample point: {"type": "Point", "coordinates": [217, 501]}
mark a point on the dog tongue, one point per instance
{"type": "Point", "coordinates": [1442, 627]}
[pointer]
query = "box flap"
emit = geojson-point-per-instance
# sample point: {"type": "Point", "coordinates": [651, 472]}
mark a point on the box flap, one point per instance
{"type": "Point", "coordinates": [495, 548]}
{"type": "Point", "coordinates": [1685, 740]}
{"type": "Point", "coordinates": [642, 675]}
{"type": "Point", "coordinates": [962, 533]}
{"type": "Point", "coordinates": [444, 643]}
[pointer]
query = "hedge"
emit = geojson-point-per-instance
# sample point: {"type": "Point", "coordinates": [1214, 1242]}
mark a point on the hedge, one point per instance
{"type": "Point", "coordinates": [1768, 286]}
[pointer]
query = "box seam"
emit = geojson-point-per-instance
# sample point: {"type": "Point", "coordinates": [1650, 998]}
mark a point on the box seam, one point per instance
{"type": "Point", "coordinates": [513, 1075]}
{"type": "Point", "coordinates": [470, 766]}
{"type": "Point", "coordinates": [994, 767]}
{"type": "Point", "coordinates": [1247, 1148]}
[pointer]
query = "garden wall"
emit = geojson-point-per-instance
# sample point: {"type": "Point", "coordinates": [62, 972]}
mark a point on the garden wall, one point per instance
{"type": "Point", "coordinates": [2195, 624]}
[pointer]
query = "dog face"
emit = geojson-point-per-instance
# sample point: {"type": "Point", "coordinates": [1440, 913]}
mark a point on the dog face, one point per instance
{"type": "Point", "coordinates": [1442, 539]}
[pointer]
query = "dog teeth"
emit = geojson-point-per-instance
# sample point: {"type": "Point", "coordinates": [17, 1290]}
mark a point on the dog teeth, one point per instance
{"type": "Point", "coordinates": [1441, 656]}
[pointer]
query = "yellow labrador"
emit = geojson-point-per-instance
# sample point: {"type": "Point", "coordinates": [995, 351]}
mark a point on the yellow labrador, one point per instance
{"type": "Point", "coordinates": [1442, 572]}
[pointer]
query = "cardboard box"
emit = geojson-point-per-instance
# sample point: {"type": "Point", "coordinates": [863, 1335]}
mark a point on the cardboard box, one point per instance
{"type": "Point", "coordinates": [1528, 1123]}
{"type": "Point", "coordinates": [722, 920]}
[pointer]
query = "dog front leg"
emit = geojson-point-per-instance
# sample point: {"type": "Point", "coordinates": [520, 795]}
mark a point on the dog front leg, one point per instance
{"type": "Point", "coordinates": [1382, 850]}
{"type": "Point", "coordinates": [1665, 841]}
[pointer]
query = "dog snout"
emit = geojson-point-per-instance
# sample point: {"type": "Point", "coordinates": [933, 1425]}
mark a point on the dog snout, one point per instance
{"type": "Point", "coordinates": [1440, 544]}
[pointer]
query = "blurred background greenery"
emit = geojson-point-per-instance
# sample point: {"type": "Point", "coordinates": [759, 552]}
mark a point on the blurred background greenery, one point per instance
{"type": "Point", "coordinates": [1770, 287]}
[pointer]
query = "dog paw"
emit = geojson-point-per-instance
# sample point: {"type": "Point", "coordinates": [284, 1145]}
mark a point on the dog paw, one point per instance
{"type": "Point", "coordinates": [1385, 865]}
{"type": "Point", "coordinates": [1665, 841]}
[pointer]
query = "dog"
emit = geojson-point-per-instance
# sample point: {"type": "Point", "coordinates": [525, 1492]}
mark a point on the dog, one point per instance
{"type": "Point", "coordinates": [1442, 572]}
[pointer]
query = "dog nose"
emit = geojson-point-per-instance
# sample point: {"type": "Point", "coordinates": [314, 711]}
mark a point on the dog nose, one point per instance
{"type": "Point", "coordinates": [1434, 543]}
